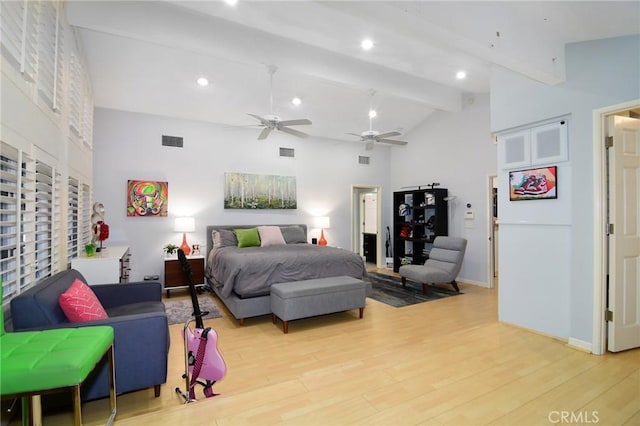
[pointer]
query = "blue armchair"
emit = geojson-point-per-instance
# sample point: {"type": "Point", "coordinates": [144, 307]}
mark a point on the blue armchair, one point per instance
{"type": "Point", "coordinates": [138, 318]}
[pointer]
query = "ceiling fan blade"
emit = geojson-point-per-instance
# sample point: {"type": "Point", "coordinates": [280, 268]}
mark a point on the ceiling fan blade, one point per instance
{"type": "Point", "coordinates": [393, 142]}
{"type": "Point", "coordinates": [354, 134]}
{"type": "Point", "coordinates": [257, 117]}
{"type": "Point", "coordinates": [295, 122]}
{"type": "Point", "coordinates": [264, 133]}
{"type": "Point", "coordinates": [388, 135]}
{"type": "Point", "coordinates": [294, 132]}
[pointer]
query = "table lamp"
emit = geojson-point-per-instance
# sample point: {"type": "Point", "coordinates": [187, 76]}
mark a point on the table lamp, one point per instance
{"type": "Point", "coordinates": [322, 222]}
{"type": "Point", "coordinates": [184, 225]}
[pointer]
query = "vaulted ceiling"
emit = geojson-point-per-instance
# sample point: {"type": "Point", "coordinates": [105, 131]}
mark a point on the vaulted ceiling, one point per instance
{"type": "Point", "coordinates": [145, 56]}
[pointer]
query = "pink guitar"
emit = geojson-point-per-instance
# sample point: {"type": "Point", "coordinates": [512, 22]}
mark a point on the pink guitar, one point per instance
{"type": "Point", "coordinates": [203, 360]}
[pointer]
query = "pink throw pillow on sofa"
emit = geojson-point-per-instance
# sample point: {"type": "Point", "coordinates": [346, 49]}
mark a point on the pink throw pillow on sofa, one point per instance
{"type": "Point", "coordinates": [79, 303]}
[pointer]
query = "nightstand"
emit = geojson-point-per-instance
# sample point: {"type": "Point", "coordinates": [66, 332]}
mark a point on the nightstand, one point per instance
{"type": "Point", "coordinates": [174, 277]}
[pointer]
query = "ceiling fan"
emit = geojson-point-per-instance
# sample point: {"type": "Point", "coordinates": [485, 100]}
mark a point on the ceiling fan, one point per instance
{"type": "Point", "coordinates": [271, 122]}
{"type": "Point", "coordinates": [369, 137]}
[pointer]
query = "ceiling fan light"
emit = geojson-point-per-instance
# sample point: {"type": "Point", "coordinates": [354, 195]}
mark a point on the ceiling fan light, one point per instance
{"type": "Point", "coordinates": [366, 44]}
{"type": "Point", "coordinates": [296, 101]}
{"type": "Point", "coordinates": [202, 81]}
{"type": "Point", "coordinates": [461, 75]}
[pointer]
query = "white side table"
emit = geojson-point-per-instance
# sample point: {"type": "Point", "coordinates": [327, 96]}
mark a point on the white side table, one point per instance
{"type": "Point", "coordinates": [108, 266]}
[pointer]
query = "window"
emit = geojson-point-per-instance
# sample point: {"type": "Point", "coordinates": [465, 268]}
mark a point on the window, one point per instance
{"type": "Point", "coordinates": [44, 226]}
{"type": "Point", "coordinates": [19, 23]}
{"type": "Point", "coordinates": [17, 220]}
{"type": "Point", "coordinates": [72, 221]}
{"type": "Point", "coordinates": [50, 48]}
{"type": "Point", "coordinates": [86, 214]}
{"type": "Point", "coordinates": [80, 99]}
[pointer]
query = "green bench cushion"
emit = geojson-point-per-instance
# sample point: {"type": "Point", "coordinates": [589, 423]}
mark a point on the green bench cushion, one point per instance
{"type": "Point", "coordinates": [50, 359]}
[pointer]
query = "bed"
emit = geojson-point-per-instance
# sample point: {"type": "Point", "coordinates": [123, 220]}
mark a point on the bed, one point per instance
{"type": "Point", "coordinates": [242, 277]}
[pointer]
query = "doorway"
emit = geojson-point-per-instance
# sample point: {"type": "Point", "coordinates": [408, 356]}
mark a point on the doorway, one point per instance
{"type": "Point", "coordinates": [609, 284]}
{"type": "Point", "coordinates": [366, 223]}
{"type": "Point", "coordinates": [492, 228]}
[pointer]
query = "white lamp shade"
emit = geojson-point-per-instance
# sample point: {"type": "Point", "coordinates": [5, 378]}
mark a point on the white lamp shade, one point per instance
{"type": "Point", "coordinates": [185, 224]}
{"type": "Point", "coordinates": [322, 222]}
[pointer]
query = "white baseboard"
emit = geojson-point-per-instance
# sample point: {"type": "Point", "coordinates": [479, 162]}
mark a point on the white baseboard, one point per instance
{"type": "Point", "coordinates": [473, 282]}
{"type": "Point", "coordinates": [580, 345]}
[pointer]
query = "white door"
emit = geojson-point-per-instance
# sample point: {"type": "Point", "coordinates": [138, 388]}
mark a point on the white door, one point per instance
{"type": "Point", "coordinates": [370, 214]}
{"type": "Point", "coordinates": [624, 242]}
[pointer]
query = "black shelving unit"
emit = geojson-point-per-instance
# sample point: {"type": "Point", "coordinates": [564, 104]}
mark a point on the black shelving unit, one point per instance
{"type": "Point", "coordinates": [420, 216]}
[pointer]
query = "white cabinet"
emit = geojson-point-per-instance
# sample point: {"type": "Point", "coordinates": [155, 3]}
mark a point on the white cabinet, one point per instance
{"type": "Point", "coordinates": [515, 149]}
{"type": "Point", "coordinates": [109, 266]}
{"type": "Point", "coordinates": [534, 146]}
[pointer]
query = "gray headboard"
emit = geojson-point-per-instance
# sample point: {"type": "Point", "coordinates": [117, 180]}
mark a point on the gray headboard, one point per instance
{"type": "Point", "coordinates": [210, 228]}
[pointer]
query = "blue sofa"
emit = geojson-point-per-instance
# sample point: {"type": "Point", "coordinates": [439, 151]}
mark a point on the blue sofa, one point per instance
{"type": "Point", "coordinates": [138, 318]}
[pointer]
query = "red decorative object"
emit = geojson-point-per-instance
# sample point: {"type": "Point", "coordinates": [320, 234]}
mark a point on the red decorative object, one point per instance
{"type": "Point", "coordinates": [100, 232]}
{"type": "Point", "coordinates": [322, 241]}
{"type": "Point", "coordinates": [185, 247]}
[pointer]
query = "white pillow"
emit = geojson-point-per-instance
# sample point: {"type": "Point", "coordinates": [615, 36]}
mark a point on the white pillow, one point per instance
{"type": "Point", "coordinates": [270, 236]}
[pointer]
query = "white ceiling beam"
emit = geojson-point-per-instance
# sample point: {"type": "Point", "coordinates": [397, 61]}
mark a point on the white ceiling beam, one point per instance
{"type": "Point", "coordinates": [177, 28]}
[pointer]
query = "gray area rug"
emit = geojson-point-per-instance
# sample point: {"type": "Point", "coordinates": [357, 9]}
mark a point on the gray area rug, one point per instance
{"type": "Point", "coordinates": [179, 311]}
{"type": "Point", "coordinates": [388, 289]}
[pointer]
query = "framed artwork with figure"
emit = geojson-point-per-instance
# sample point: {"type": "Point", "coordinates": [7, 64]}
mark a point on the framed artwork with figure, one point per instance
{"type": "Point", "coordinates": [147, 198]}
{"type": "Point", "coordinates": [533, 184]}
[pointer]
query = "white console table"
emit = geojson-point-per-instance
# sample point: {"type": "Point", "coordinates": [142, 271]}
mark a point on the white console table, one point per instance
{"type": "Point", "coordinates": [109, 266]}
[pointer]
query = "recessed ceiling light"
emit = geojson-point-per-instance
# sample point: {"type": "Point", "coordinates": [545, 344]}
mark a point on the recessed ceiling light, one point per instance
{"type": "Point", "coordinates": [202, 81]}
{"type": "Point", "coordinates": [231, 2]}
{"type": "Point", "coordinates": [296, 101]}
{"type": "Point", "coordinates": [461, 75]}
{"type": "Point", "coordinates": [372, 113]}
{"type": "Point", "coordinates": [366, 44]}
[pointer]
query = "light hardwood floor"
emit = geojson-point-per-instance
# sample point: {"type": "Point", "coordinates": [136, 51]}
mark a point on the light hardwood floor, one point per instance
{"type": "Point", "coordinates": [446, 362]}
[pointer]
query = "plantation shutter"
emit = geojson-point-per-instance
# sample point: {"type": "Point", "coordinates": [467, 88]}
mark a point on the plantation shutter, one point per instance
{"type": "Point", "coordinates": [19, 35]}
{"type": "Point", "coordinates": [49, 53]}
{"type": "Point", "coordinates": [12, 15]}
{"type": "Point", "coordinates": [72, 221]}
{"type": "Point", "coordinates": [85, 222]}
{"type": "Point", "coordinates": [87, 118]}
{"type": "Point", "coordinates": [57, 221]}
{"type": "Point", "coordinates": [17, 220]}
{"type": "Point", "coordinates": [75, 93]}
{"type": "Point", "coordinates": [44, 220]}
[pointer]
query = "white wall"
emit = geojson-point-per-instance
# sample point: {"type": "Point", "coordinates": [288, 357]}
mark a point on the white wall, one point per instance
{"type": "Point", "coordinates": [456, 150]}
{"type": "Point", "coordinates": [555, 294]}
{"type": "Point", "coordinates": [128, 146]}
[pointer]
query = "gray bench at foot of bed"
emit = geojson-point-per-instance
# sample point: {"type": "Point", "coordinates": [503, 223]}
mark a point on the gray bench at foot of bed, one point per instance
{"type": "Point", "coordinates": [303, 299]}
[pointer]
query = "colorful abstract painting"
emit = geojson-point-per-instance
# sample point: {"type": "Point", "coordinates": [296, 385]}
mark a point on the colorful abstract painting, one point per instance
{"type": "Point", "coordinates": [147, 198]}
{"type": "Point", "coordinates": [533, 184]}
{"type": "Point", "coordinates": [248, 191]}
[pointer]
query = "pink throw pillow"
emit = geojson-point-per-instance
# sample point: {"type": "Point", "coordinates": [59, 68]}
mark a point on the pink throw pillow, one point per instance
{"type": "Point", "coordinates": [79, 303]}
{"type": "Point", "coordinates": [271, 236]}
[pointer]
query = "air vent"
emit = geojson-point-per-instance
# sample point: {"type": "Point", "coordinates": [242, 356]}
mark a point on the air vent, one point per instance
{"type": "Point", "coordinates": [176, 141]}
{"type": "Point", "coordinates": [363, 159]}
{"type": "Point", "coordinates": [287, 152]}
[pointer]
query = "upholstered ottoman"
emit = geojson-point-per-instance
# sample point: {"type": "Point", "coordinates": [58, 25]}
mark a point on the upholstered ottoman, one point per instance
{"type": "Point", "coordinates": [308, 298]}
{"type": "Point", "coordinates": [37, 362]}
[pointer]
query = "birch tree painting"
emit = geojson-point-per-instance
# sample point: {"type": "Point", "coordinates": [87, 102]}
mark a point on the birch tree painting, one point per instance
{"type": "Point", "coordinates": [248, 191]}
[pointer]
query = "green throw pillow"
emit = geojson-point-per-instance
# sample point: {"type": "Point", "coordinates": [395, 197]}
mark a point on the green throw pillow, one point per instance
{"type": "Point", "coordinates": [247, 237]}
